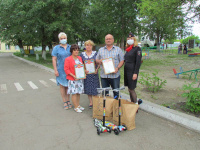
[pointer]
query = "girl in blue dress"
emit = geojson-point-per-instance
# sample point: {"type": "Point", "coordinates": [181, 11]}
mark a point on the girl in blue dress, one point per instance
{"type": "Point", "coordinates": [59, 53]}
{"type": "Point", "coordinates": [91, 83]}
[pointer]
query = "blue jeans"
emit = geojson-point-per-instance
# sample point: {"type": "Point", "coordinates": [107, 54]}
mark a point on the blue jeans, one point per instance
{"type": "Point", "coordinates": [113, 82]}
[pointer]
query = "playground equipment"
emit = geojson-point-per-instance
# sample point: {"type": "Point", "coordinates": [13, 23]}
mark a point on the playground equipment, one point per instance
{"type": "Point", "coordinates": [194, 71]}
{"type": "Point", "coordinates": [193, 54]}
{"type": "Point", "coordinates": [146, 41]}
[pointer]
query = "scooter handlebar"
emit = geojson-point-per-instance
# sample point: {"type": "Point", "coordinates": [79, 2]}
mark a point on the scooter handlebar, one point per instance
{"type": "Point", "coordinates": [118, 89]}
{"type": "Point", "coordinates": [102, 89]}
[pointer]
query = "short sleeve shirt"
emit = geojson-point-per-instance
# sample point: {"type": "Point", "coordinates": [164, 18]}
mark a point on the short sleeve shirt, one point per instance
{"type": "Point", "coordinates": [61, 53]}
{"type": "Point", "coordinates": [116, 53]}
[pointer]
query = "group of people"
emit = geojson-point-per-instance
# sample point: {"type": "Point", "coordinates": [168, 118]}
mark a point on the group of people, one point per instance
{"type": "Point", "coordinates": [185, 51]}
{"type": "Point", "coordinates": [65, 56]}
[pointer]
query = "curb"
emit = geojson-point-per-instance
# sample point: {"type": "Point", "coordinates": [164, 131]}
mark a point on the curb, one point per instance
{"type": "Point", "coordinates": [35, 64]}
{"type": "Point", "coordinates": [180, 118]}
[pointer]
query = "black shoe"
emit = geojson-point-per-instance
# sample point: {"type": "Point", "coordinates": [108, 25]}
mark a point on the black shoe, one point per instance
{"type": "Point", "coordinates": [139, 101]}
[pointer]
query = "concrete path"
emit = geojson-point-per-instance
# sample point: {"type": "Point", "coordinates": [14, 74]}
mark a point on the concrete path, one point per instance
{"type": "Point", "coordinates": [32, 118]}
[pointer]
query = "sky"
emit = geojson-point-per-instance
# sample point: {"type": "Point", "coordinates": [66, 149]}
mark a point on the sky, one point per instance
{"type": "Point", "coordinates": [196, 29]}
{"type": "Point", "coordinates": [196, 25]}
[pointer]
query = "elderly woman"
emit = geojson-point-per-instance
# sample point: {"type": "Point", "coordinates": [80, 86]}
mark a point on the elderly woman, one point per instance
{"type": "Point", "coordinates": [91, 83]}
{"type": "Point", "coordinates": [59, 53]}
{"type": "Point", "coordinates": [75, 86]}
{"type": "Point", "coordinates": [132, 60]}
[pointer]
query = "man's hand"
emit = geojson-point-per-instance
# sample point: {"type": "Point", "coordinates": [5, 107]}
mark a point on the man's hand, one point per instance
{"type": "Point", "coordinates": [99, 61]}
{"type": "Point", "coordinates": [116, 70]}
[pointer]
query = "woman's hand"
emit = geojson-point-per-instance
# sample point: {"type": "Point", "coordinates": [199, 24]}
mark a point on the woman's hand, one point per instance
{"type": "Point", "coordinates": [86, 71]}
{"type": "Point", "coordinates": [56, 73]}
{"type": "Point", "coordinates": [75, 78]}
{"type": "Point", "coordinates": [96, 71]}
{"type": "Point", "coordinates": [134, 76]}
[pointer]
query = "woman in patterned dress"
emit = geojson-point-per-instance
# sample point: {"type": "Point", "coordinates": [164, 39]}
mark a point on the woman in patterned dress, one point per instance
{"type": "Point", "coordinates": [75, 86]}
{"type": "Point", "coordinates": [91, 83]}
{"type": "Point", "coordinates": [59, 53]}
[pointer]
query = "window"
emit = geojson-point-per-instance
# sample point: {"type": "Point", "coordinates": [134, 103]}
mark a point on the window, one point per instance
{"type": "Point", "coordinates": [17, 47]}
{"type": "Point", "coordinates": [7, 47]}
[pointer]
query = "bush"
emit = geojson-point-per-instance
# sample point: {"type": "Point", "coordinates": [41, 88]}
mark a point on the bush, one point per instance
{"type": "Point", "coordinates": [193, 97]}
{"type": "Point", "coordinates": [152, 84]}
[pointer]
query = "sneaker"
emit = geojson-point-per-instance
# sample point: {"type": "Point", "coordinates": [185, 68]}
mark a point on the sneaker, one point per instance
{"type": "Point", "coordinates": [81, 108]}
{"type": "Point", "coordinates": [90, 106]}
{"type": "Point", "coordinates": [77, 110]}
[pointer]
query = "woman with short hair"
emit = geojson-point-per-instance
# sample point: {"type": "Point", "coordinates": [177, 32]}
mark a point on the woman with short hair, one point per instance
{"type": "Point", "coordinates": [59, 53]}
{"type": "Point", "coordinates": [75, 86]}
{"type": "Point", "coordinates": [91, 83]}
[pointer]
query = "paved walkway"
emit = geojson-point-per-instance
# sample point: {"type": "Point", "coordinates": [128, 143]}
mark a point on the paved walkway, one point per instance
{"type": "Point", "coordinates": [32, 117]}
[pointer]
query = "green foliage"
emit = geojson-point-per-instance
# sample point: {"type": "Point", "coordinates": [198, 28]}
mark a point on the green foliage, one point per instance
{"type": "Point", "coordinates": [39, 22]}
{"type": "Point", "coordinates": [162, 18]}
{"type": "Point", "coordinates": [193, 97]}
{"type": "Point", "coordinates": [153, 84]}
{"type": "Point", "coordinates": [115, 17]}
{"type": "Point", "coordinates": [193, 37]}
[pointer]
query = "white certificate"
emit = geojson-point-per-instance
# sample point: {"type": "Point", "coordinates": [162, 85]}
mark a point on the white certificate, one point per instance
{"type": "Point", "coordinates": [108, 65]}
{"type": "Point", "coordinates": [79, 71]}
{"type": "Point", "coordinates": [90, 66]}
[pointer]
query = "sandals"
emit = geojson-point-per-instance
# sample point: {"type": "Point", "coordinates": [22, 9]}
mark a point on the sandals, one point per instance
{"type": "Point", "coordinates": [81, 108]}
{"type": "Point", "coordinates": [77, 110]}
{"type": "Point", "coordinates": [69, 105]}
{"type": "Point", "coordinates": [66, 107]}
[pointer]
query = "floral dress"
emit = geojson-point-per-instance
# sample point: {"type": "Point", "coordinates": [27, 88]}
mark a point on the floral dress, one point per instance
{"type": "Point", "coordinates": [61, 53]}
{"type": "Point", "coordinates": [76, 86]}
{"type": "Point", "coordinates": [91, 83]}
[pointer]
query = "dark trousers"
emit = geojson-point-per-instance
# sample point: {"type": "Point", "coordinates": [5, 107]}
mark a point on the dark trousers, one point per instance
{"type": "Point", "coordinates": [113, 82]}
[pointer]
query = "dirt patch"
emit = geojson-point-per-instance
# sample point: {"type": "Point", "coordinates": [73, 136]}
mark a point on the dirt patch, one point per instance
{"type": "Point", "coordinates": [170, 95]}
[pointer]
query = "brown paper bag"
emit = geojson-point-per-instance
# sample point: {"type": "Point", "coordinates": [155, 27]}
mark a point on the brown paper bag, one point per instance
{"type": "Point", "coordinates": [98, 108]}
{"type": "Point", "coordinates": [128, 112]}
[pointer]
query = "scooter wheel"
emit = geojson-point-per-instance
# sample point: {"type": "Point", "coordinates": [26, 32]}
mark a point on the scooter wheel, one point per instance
{"type": "Point", "coordinates": [125, 128]}
{"type": "Point", "coordinates": [116, 131]}
{"type": "Point", "coordinates": [98, 131]}
{"type": "Point", "coordinates": [110, 130]}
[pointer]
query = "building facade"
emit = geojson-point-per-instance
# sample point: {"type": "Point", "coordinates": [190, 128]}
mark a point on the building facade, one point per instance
{"type": "Point", "coordinates": [8, 48]}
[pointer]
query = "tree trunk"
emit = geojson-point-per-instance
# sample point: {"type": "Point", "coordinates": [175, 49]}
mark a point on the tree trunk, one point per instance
{"type": "Point", "coordinates": [43, 44]}
{"type": "Point", "coordinates": [122, 43]}
{"type": "Point", "coordinates": [158, 40]}
{"type": "Point", "coordinates": [50, 48]}
{"type": "Point", "coordinates": [20, 44]}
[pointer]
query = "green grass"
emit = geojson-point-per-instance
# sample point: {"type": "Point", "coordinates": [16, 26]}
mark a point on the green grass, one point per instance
{"type": "Point", "coordinates": [160, 59]}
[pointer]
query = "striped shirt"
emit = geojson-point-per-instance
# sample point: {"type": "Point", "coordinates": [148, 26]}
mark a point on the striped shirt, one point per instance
{"type": "Point", "coordinates": [116, 53]}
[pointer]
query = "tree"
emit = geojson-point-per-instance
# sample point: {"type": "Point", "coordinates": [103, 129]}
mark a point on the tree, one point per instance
{"type": "Point", "coordinates": [162, 19]}
{"type": "Point", "coordinates": [117, 17]}
{"type": "Point", "coordinates": [38, 22]}
{"type": "Point", "coordinates": [193, 37]}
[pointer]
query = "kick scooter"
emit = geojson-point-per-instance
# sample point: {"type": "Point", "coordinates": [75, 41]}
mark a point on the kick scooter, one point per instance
{"type": "Point", "coordinates": [120, 127]}
{"type": "Point", "coordinates": [101, 128]}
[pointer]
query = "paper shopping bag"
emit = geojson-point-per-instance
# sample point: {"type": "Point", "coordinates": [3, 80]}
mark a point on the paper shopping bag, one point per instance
{"type": "Point", "coordinates": [128, 113]}
{"type": "Point", "coordinates": [98, 108]}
